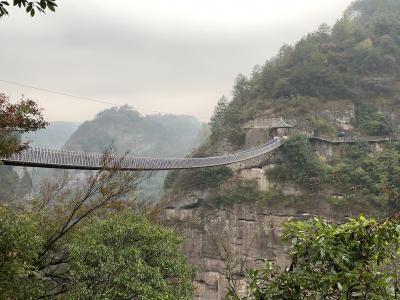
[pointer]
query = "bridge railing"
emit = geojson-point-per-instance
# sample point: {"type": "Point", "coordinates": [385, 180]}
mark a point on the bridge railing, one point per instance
{"type": "Point", "coordinates": [79, 160]}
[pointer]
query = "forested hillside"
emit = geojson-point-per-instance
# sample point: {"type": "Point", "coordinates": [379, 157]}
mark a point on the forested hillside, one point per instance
{"type": "Point", "coordinates": [344, 78]}
{"type": "Point", "coordinates": [126, 130]}
{"type": "Point", "coordinates": [357, 60]}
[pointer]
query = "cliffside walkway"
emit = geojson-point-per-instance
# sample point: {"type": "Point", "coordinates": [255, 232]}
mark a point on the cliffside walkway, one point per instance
{"type": "Point", "coordinates": [350, 140]}
{"type": "Point", "coordinates": [63, 159]}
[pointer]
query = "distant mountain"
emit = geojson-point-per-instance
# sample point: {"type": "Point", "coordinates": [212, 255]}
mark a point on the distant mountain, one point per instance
{"type": "Point", "coordinates": [128, 131]}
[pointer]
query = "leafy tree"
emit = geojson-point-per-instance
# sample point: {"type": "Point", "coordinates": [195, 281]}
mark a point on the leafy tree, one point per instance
{"type": "Point", "coordinates": [241, 89]}
{"type": "Point", "coordinates": [217, 118]}
{"type": "Point", "coordinates": [61, 211]}
{"type": "Point", "coordinates": [20, 245]}
{"type": "Point", "coordinates": [16, 119]}
{"type": "Point", "coordinates": [30, 6]}
{"type": "Point", "coordinates": [126, 257]}
{"type": "Point", "coordinates": [355, 260]}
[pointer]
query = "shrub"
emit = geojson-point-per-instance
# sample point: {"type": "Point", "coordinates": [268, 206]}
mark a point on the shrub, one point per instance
{"type": "Point", "coordinates": [199, 179]}
{"type": "Point", "coordinates": [372, 122]}
{"type": "Point", "coordinates": [300, 164]}
{"type": "Point", "coordinates": [126, 257]}
{"type": "Point", "coordinates": [19, 248]}
{"type": "Point", "coordinates": [241, 191]}
{"type": "Point", "coordinates": [355, 260]}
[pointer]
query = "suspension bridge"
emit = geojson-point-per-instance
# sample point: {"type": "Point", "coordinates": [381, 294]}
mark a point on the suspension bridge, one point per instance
{"type": "Point", "coordinates": [64, 159]}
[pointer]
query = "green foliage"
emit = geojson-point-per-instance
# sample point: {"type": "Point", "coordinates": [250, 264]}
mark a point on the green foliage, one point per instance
{"type": "Point", "coordinates": [236, 136]}
{"type": "Point", "coordinates": [241, 191]}
{"type": "Point", "coordinates": [127, 257]}
{"type": "Point", "coordinates": [300, 165]}
{"type": "Point", "coordinates": [86, 243]}
{"type": "Point", "coordinates": [200, 179]}
{"type": "Point", "coordinates": [247, 192]}
{"type": "Point", "coordinates": [355, 260]}
{"type": "Point", "coordinates": [19, 249]}
{"type": "Point", "coordinates": [217, 118]}
{"type": "Point", "coordinates": [15, 120]}
{"type": "Point", "coordinates": [372, 122]}
{"type": "Point", "coordinates": [358, 173]}
{"type": "Point", "coordinates": [225, 121]}
{"type": "Point", "coordinates": [30, 6]}
{"type": "Point", "coordinates": [362, 174]}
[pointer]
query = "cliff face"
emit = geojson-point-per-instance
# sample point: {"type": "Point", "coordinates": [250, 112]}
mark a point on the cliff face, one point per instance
{"type": "Point", "coordinates": [228, 239]}
{"type": "Point", "coordinates": [223, 240]}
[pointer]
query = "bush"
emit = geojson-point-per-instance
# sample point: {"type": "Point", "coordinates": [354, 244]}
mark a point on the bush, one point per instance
{"type": "Point", "coordinates": [362, 174]}
{"type": "Point", "coordinates": [372, 122]}
{"type": "Point", "coordinates": [19, 248]}
{"type": "Point", "coordinates": [355, 260]}
{"type": "Point", "coordinates": [126, 257]}
{"type": "Point", "coordinates": [241, 191]}
{"type": "Point", "coordinates": [199, 179]}
{"type": "Point", "coordinates": [236, 136]}
{"type": "Point", "coordinates": [300, 164]}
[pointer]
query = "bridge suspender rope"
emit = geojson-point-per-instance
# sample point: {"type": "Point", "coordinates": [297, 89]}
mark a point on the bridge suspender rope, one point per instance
{"type": "Point", "coordinates": [63, 159]}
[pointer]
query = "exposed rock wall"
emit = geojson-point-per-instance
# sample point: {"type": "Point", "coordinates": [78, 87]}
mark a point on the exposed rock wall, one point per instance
{"type": "Point", "coordinates": [218, 239]}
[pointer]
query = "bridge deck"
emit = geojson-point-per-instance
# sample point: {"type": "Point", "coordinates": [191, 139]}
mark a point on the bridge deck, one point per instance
{"type": "Point", "coordinates": [63, 159]}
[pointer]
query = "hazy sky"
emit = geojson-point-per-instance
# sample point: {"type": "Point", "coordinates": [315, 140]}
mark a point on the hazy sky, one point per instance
{"type": "Point", "coordinates": [174, 56]}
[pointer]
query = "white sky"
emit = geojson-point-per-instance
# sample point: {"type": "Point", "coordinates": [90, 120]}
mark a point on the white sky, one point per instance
{"type": "Point", "coordinates": [174, 56]}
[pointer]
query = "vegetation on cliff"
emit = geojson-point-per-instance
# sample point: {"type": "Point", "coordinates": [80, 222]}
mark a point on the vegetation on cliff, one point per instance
{"type": "Point", "coordinates": [354, 260]}
{"type": "Point", "coordinates": [356, 173]}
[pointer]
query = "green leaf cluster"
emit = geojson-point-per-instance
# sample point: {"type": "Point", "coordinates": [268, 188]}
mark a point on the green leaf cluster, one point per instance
{"type": "Point", "coordinates": [31, 7]}
{"type": "Point", "coordinates": [20, 244]}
